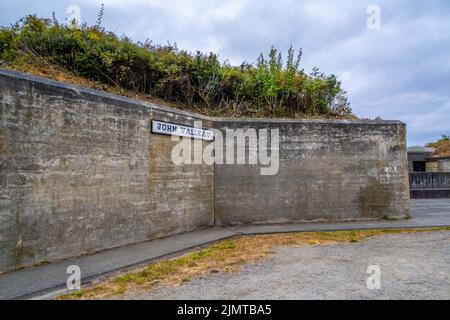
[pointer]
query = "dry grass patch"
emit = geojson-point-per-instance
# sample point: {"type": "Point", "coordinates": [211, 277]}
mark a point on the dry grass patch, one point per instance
{"type": "Point", "coordinates": [43, 69]}
{"type": "Point", "coordinates": [225, 256]}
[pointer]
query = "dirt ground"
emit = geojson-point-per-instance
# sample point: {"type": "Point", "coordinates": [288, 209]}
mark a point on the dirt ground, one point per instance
{"type": "Point", "coordinates": [412, 266]}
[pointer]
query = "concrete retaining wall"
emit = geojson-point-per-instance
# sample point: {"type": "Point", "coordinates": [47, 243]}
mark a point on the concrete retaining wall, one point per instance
{"type": "Point", "coordinates": [329, 170]}
{"type": "Point", "coordinates": [444, 165]}
{"type": "Point", "coordinates": [429, 180]}
{"type": "Point", "coordinates": [81, 171]}
{"type": "Point", "coordinates": [428, 185]}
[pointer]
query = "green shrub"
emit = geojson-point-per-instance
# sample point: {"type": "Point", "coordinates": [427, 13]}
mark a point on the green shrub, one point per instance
{"type": "Point", "coordinates": [271, 87]}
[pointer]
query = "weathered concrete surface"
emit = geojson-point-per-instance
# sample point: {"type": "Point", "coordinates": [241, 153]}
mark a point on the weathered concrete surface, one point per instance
{"type": "Point", "coordinates": [429, 180]}
{"type": "Point", "coordinates": [81, 172]}
{"type": "Point", "coordinates": [429, 185]}
{"type": "Point", "coordinates": [329, 170]}
{"type": "Point", "coordinates": [444, 165]}
{"type": "Point", "coordinates": [181, 197]}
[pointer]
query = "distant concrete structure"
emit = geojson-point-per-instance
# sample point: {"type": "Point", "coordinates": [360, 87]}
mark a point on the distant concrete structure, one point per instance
{"type": "Point", "coordinates": [444, 164]}
{"type": "Point", "coordinates": [421, 159]}
{"type": "Point", "coordinates": [432, 166]}
{"type": "Point", "coordinates": [438, 164]}
{"type": "Point", "coordinates": [429, 174]}
{"type": "Point", "coordinates": [417, 158]}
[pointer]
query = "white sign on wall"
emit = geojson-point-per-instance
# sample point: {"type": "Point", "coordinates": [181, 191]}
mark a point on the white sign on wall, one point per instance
{"type": "Point", "coordinates": [178, 130]}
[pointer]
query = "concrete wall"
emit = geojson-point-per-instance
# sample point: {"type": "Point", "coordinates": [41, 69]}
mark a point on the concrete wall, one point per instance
{"type": "Point", "coordinates": [444, 165]}
{"type": "Point", "coordinates": [429, 180]}
{"type": "Point", "coordinates": [81, 172]}
{"type": "Point", "coordinates": [417, 157]}
{"type": "Point", "coordinates": [432, 166]}
{"type": "Point", "coordinates": [329, 170]}
{"type": "Point", "coordinates": [425, 185]}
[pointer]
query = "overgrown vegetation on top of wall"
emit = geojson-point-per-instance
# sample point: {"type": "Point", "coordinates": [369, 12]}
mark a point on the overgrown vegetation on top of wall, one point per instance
{"type": "Point", "coordinates": [273, 87]}
{"type": "Point", "coordinates": [442, 146]}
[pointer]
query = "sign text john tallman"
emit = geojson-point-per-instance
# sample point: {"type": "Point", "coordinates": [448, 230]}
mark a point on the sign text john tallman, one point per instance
{"type": "Point", "coordinates": [172, 129]}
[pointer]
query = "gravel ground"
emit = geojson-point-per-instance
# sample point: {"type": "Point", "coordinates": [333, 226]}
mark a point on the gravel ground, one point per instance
{"type": "Point", "coordinates": [413, 266]}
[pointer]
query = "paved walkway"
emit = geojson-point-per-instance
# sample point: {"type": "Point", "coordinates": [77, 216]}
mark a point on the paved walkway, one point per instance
{"type": "Point", "coordinates": [49, 278]}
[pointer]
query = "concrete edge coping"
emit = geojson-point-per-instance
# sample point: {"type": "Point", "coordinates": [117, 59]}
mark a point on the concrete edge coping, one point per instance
{"type": "Point", "coordinates": [102, 94]}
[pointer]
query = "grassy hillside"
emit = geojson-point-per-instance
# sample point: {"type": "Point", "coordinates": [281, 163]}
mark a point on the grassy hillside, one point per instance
{"type": "Point", "coordinates": [442, 146]}
{"type": "Point", "coordinates": [94, 57]}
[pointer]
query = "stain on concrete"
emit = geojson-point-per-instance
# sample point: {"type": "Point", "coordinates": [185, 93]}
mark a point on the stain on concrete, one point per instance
{"type": "Point", "coordinates": [375, 200]}
{"type": "Point", "coordinates": [5, 150]}
{"type": "Point", "coordinates": [328, 171]}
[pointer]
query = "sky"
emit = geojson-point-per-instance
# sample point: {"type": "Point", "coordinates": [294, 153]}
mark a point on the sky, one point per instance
{"type": "Point", "coordinates": [393, 57]}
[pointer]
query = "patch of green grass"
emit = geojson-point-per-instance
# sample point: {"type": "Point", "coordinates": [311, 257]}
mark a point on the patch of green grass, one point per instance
{"type": "Point", "coordinates": [156, 272]}
{"type": "Point", "coordinates": [159, 270]}
{"type": "Point", "coordinates": [72, 295]}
